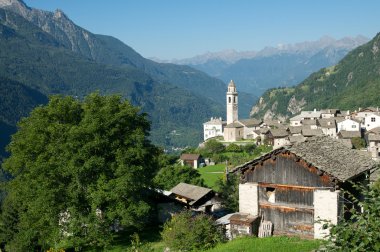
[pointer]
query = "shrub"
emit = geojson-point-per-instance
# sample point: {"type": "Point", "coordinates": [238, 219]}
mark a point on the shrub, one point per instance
{"type": "Point", "coordinates": [233, 148]}
{"type": "Point", "coordinates": [186, 232]}
{"type": "Point", "coordinates": [213, 146]}
{"type": "Point", "coordinates": [361, 231]}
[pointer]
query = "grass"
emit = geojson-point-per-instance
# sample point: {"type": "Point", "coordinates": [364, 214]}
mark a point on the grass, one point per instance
{"type": "Point", "coordinates": [248, 244]}
{"type": "Point", "coordinates": [211, 174]}
{"type": "Point", "coordinates": [269, 244]}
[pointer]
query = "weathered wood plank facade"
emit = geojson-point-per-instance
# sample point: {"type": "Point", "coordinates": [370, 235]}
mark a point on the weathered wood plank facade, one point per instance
{"type": "Point", "coordinates": [292, 183]}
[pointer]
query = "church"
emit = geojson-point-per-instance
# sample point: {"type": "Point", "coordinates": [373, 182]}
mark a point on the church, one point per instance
{"type": "Point", "coordinates": [232, 129]}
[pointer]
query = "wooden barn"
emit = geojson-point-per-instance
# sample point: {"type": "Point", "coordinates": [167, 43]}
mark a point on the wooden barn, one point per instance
{"type": "Point", "coordinates": [294, 187]}
{"type": "Point", "coordinates": [192, 160]}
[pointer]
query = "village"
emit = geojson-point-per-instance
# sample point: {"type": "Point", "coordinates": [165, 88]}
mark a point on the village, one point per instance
{"type": "Point", "coordinates": [356, 129]}
{"type": "Point", "coordinates": [316, 158]}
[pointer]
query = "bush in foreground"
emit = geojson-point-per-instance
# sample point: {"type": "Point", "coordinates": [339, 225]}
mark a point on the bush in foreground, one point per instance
{"type": "Point", "coordinates": [186, 232]}
{"type": "Point", "coordinates": [361, 231]}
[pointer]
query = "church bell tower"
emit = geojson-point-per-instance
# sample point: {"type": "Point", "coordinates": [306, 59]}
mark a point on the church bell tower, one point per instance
{"type": "Point", "coordinates": [232, 103]}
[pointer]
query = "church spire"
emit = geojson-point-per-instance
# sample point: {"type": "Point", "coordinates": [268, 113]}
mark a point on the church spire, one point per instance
{"type": "Point", "coordinates": [232, 103]}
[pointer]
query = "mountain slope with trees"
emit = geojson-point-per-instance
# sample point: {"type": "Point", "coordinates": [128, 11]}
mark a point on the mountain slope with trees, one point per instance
{"type": "Point", "coordinates": [353, 82]}
{"type": "Point", "coordinates": [39, 61]}
{"type": "Point", "coordinates": [111, 51]}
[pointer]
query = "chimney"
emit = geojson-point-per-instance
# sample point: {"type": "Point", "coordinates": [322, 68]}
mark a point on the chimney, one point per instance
{"type": "Point", "coordinates": [315, 110]}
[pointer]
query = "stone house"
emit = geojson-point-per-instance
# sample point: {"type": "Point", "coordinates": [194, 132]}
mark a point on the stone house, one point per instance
{"type": "Point", "coordinates": [294, 187]}
{"type": "Point", "coordinates": [371, 121]}
{"type": "Point", "coordinates": [311, 123]}
{"type": "Point", "coordinates": [349, 125]}
{"type": "Point", "coordinates": [295, 130]}
{"type": "Point", "coordinates": [250, 126]}
{"type": "Point", "coordinates": [295, 121]}
{"type": "Point", "coordinates": [329, 113]}
{"type": "Point", "coordinates": [303, 116]}
{"type": "Point", "coordinates": [347, 136]}
{"type": "Point", "coordinates": [328, 126]}
{"type": "Point", "coordinates": [362, 113]}
{"type": "Point", "coordinates": [278, 137]}
{"type": "Point", "coordinates": [192, 160]}
{"type": "Point", "coordinates": [372, 138]}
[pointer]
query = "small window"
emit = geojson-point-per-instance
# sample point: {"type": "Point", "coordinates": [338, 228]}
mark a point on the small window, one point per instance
{"type": "Point", "coordinates": [354, 126]}
{"type": "Point", "coordinates": [229, 99]}
{"type": "Point", "coordinates": [271, 192]}
{"type": "Point", "coordinates": [234, 99]}
{"type": "Point", "coordinates": [373, 119]}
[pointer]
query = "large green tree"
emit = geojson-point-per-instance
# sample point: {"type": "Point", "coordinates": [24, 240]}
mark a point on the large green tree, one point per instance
{"type": "Point", "coordinates": [78, 167]}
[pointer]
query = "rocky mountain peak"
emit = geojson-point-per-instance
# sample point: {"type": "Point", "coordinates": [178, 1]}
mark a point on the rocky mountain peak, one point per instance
{"type": "Point", "coordinates": [17, 6]}
{"type": "Point", "coordinates": [58, 14]}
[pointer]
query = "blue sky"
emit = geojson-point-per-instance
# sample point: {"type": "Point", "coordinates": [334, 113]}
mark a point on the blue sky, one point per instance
{"type": "Point", "coordinates": [169, 29]}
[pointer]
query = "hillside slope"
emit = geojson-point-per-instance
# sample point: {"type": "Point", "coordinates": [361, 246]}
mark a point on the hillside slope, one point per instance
{"type": "Point", "coordinates": [353, 82]}
{"type": "Point", "coordinates": [35, 59]}
{"type": "Point", "coordinates": [111, 51]}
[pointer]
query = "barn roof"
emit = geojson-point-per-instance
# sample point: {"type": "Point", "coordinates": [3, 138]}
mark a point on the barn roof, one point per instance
{"type": "Point", "coordinates": [191, 192]}
{"type": "Point", "coordinates": [327, 154]}
{"type": "Point", "coordinates": [188, 156]}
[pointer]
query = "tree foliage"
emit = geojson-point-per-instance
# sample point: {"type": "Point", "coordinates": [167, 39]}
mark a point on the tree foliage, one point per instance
{"type": "Point", "coordinates": [358, 143]}
{"type": "Point", "coordinates": [185, 232]}
{"type": "Point", "coordinates": [212, 147]}
{"type": "Point", "coordinates": [228, 191]}
{"type": "Point", "coordinates": [171, 175]}
{"type": "Point", "coordinates": [77, 167]}
{"type": "Point", "coordinates": [233, 148]}
{"type": "Point", "coordinates": [361, 231]}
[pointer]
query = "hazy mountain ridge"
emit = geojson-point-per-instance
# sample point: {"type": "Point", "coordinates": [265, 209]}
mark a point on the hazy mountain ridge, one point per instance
{"type": "Point", "coordinates": [353, 82]}
{"type": "Point", "coordinates": [284, 65]}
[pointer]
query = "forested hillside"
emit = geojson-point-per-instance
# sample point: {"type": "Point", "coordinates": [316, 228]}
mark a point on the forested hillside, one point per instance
{"type": "Point", "coordinates": [177, 98]}
{"type": "Point", "coordinates": [353, 82]}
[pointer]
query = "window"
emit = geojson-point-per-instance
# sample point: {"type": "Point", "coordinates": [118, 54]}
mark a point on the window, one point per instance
{"type": "Point", "coordinates": [373, 119]}
{"type": "Point", "coordinates": [354, 126]}
{"type": "Point", "coordinates": [229, 99]}
{"type": "Point", "coordinates": [270, 192]}
{"type": "Point", "coordinates": [234, 99]}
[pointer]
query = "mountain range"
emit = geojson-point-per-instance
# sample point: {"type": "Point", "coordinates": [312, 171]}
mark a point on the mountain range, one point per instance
{"type": "Point", "coordinates": [45, 53]}
{"type": "Point", "coordinates": [284, 65]}
{"type": "Point", "coordinates": [352, 83]}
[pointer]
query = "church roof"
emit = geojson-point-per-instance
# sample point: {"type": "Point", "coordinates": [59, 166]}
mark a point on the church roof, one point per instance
{"type": "Point", "coordinates": [250, 122]}
{"type": "Point", "coordinates": [234, 125]}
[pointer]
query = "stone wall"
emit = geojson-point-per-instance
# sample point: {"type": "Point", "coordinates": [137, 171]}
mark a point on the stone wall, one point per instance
{"type": "Point", "coordinates": [249, 198]}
